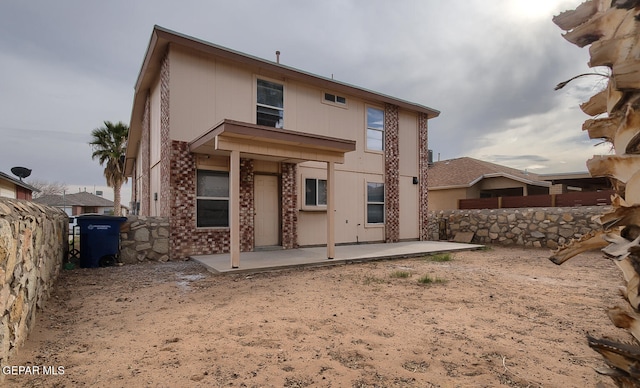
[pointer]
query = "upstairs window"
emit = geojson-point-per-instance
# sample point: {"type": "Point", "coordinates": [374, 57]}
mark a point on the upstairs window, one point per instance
{"type": "Point", "coordinates": [315, 192]}
{"type": "Point", "coordinates": [212, 199]}
{"type": "Point", "coordinates": [375, 129]}
{"type": "Point", "coordinates": [270, 104]}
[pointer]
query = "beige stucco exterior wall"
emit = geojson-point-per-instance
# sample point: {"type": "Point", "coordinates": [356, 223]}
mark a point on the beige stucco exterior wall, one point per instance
{"type": "Point", "coordinates": [409, 193]}
{"type": "Point", "coordinates": [204, 92]}
{"type": "Point", "coordinates": [154, 188]}
{"type": "Point", "coordinates": [350, 212]}
{"type": "Point", "coordinates": [7, 190]}
{"type": "Point", "coordinates": [154, 133]}
{"type": "Point", "coordinates": [155, 184]}
{"type": "Point", "coordinates": [138, 182]}
{"type": "Point", "coordinates": [446, 199]}
{"type": "Point", "coordinates": [363, 166]}
{"type": "Point", "coordinates": [499, 183]}
{"type": "Point", "coordinates": [409, 209]}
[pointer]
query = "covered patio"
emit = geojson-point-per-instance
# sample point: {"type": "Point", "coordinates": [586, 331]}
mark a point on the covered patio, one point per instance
{"type": "Point", "coordinates": [271, 260]}
{"type": "Point", "coordinates": [238, 139]}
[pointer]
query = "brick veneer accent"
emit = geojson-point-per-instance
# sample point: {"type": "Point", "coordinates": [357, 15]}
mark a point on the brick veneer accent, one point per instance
{"type": "Point", "coordinates": [289, 206]}
{"type": "Point", "coordinates": [423, 163]}
{"type": "Point", "coordinates": [185, 238]}
{"type": "Point", "coordinates": [247, 225]}
{"type": "Point", "coordinates": [145, 160]}
{"type": "Point", "coordinates": [392, 176]}
{"type": "Point", "coordinates": [165, 140]}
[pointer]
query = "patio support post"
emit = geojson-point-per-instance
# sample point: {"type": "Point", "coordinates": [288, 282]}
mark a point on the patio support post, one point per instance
{"type": "Point", "coordinates": [331, 239]}
{"type": "Point", "coordinates": [234, 209]}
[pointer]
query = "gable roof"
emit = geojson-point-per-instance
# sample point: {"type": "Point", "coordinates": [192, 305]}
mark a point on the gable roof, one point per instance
{"type": "Point", "coordinates": [78, 199]}
{"type": "Point", "coordinates": [466, 172]}
{"type": "Point", "coordinates": [162, 38]}
{"type": "Point", "coordinates": [17, 182]}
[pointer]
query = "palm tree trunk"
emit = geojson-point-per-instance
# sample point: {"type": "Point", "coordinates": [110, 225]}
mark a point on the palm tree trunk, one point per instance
{"type": "Point", "coordinates": [117, 209]}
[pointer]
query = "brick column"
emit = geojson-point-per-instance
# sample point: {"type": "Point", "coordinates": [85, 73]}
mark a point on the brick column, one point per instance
{"type": "Point", "coordinates": [289, 197]}
{"type": "Point", "coordinates": [247, 226]}
{"type": "Point", "coordinates": [423, 176]}
{"type": "Point", "coordinates": [182, 219]}
{"type": "Point", "coordinates": [165, 140]}
{"type": "Point", "coordinates": [391, 174]}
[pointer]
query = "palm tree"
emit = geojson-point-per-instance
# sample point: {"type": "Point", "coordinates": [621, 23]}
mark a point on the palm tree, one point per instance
{"type": "Point", "coordinates": [109, 144]}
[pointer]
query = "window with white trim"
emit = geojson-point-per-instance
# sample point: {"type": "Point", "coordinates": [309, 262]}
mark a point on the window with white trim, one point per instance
{"type": "Point", "coordinates": [335, 99]}
{"type": "Point", "coordinates": [212, 199]}
{"type": "Point", "coordinates": [375, 203]}
{"type": "Point", "coordinates": [375, 129]}
{"type": "Point", "coordinates": [270, 104]}
{"type": "Point", "coordinates": [315, 192]}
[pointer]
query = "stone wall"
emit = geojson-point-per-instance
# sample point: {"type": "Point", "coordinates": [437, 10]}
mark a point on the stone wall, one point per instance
{"type": "Point", "coordinates": [33, 245]}
{"type": "Point", "coordinates": [144, 239]}
{"type": "Point", "coordinates": [529, 227]}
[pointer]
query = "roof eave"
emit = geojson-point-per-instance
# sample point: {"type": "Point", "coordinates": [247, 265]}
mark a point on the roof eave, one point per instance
{"type": "Point", "coordinates": [517, 178]}
{"type": "Point", "coordinates": [161, 38]}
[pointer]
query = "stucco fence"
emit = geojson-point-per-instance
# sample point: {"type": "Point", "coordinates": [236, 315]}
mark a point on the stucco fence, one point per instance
{"type": "Point", "coordinates": [33, 246]}
{"type": "Point", "coordinates": [529, 227]}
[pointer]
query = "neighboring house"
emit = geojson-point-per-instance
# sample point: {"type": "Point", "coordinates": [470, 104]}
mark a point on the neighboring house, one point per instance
{"type": "Point", "coordinates": [240, 153]}
{"type": "Point", "coordinates": [575, 182]}
{"type": "Point", "coordinates": [80, 203]}
{"type": "Point", "coordinates": [15, 188]}
{"type": "Point", "coordinates": [468, 178]}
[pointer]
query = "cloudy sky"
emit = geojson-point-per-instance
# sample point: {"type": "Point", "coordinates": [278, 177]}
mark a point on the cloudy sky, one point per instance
{"type": "Point", "coordinates": [489, 66]}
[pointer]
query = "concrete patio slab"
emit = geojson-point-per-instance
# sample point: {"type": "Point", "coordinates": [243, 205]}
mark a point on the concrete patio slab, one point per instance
{"type": "Point", "coordinates": [262, 261]}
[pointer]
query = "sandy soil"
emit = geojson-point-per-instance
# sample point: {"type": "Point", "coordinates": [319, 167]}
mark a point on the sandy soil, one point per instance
{"type": "Point", "coordinates": [500, 317]}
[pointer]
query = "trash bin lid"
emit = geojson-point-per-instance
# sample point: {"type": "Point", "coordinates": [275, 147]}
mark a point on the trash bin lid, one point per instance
{"type": "Point", "coordinates": [101, 217]}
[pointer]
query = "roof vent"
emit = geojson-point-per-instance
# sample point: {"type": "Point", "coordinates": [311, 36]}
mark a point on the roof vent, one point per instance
{"type": "Point", "coordinates": [278, 57]}
{"type": "Point", "coordinates": [21, 172]}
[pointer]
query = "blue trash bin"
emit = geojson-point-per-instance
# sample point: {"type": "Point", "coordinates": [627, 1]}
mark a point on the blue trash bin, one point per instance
{"type": "Point", "coordinates": [99, 240]}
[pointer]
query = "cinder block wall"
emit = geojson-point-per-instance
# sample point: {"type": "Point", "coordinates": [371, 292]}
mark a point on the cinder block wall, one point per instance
{"type": "Point", "coordinates": [33, 245]}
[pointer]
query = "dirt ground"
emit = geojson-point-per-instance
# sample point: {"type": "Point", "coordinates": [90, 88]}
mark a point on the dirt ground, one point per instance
{"type": "Point", "coordinates": [497, 317]}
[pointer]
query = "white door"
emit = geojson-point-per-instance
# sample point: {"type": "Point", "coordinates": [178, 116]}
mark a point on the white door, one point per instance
{"type": "Point", "coordinates": [267, 217]}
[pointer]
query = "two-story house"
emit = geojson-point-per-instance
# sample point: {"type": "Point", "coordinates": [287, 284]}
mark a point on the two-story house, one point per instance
{"type": "Point", "coordinates": [241, 153]}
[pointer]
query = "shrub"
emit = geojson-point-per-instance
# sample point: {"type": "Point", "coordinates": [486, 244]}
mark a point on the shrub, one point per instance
{"type": "Point", "coordinates": [426, 279]}
{"type": "Point", "coordinates": [440, 257]}
{"type": "Point", "coordinates": [400, 274]}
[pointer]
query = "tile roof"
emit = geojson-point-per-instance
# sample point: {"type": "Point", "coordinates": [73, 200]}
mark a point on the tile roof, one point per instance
{"type": "Point", "coordinates": [78, 199]}
{"type": "Point", "coordinates": [465, 172]}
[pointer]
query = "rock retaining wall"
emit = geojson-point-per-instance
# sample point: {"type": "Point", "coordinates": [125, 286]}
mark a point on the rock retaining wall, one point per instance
{"type": "Point", "coordinates": [530, 227]}
{"type": "Point", "coordinates": [144, 239]}
{"type": "Point", "coordinates": [33, 246]}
